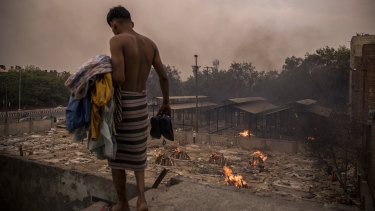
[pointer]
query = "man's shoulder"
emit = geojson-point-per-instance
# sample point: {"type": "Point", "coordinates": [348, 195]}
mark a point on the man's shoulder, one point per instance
{"type": "Point", "coordinates": [130, 37]}
{"type": "Point", "coordinates": [148, 40]}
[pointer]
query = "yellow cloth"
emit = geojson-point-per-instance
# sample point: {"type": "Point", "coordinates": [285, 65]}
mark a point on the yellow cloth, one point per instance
{"type": "Point", "coordinates": [100, 96]}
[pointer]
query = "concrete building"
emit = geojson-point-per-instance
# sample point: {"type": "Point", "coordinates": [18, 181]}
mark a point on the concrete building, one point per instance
{"type": "Point", "coordinates": [362, 101]}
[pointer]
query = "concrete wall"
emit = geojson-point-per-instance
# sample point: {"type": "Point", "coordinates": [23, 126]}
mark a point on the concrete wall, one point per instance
{"type": "Point", "coordinates": [251, 143]}
{"type": "Point", "coordinates": [362, 100]}
{"type": "Point", "coordinates": [14, 128]}
{"type": "Point", "coordinates": [368, 62]}
{"type": "Point", "coordinates": [356, 45]}
{"type": "Point", "coordinates": [30, 185]}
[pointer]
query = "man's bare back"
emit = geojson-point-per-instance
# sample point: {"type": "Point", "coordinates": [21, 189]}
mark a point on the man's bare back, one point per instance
{"type": "Point", "coordinates": [132, 56]}
{"type": "Point", "coordinates": [138, 52]}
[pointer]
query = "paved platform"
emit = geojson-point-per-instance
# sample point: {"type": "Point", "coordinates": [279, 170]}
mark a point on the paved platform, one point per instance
{"type": "Point", "coordinates": [195, 195]}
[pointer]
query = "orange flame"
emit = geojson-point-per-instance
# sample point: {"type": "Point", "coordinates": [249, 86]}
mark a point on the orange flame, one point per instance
{"type": "Point", "coordinates": [310, 138]}
{"type": "Point", "coordinates": [214, 155]}
{"type": "Point", "coordinates": [158, 154]}
{"type": "Point", "coordinates": [263, 157]}
{"type": "Point", "coordinates": [237, 180]}
{"type": "Point", "coordinates": [255, 162]}
{"type": "Point", "coordinates": [246, 133]}
{"type": "Point", "coordinates": [177, 149]}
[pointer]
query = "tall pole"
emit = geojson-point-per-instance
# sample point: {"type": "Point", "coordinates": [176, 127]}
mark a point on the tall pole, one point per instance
{"type": "Point", "coordinates": [6, 102]}
{"type": "Point", "coordinates": [195, 68]}
{"type": "Point", "coordinates": [207, 72]}
{"type": "Point", "coordinates": [19, 92]}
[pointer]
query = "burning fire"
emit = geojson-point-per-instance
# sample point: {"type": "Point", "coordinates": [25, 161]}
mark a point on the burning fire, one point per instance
{"type": "Point", "coordinates": [236, 180]}
{"type": "Point", "coordinates": [310, 138]}
{"type": "Point", "coordinates": [257, 155]}
{"type": "Point", "coordinates": [177, 149]}
{"type": "Point", "coordinates": [158, 154]}
{"type": "Point", "coordinates": [263, 157]}
{"type": "Point", "coordinates": [246, 133]}
{"type": "Point", "coordinates": [214, 155]}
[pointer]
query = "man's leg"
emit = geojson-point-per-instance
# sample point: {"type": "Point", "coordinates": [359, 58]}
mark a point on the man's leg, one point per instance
{"type": "Point", "coordinates": [141, 202]}
{"type": "Point", "coordinates": [119, 180]}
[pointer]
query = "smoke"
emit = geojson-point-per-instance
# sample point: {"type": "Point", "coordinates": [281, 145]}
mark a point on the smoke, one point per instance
{"type": "Point", "coordinates": [55, 34]}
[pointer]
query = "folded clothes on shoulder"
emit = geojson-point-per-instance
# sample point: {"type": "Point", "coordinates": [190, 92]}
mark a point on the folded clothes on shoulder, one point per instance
{"type": "Point", "coordinates": [91, 106]}
{"type": "Point", "coordinates": [78, 83]}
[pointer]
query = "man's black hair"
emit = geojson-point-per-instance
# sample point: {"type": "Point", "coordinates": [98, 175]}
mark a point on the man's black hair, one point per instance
{"type": "Point", "coordinates": [118, 12]}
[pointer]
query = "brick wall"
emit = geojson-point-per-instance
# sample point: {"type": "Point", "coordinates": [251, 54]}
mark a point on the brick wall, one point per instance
{"type": "Point", "coordinates": [368, 67]}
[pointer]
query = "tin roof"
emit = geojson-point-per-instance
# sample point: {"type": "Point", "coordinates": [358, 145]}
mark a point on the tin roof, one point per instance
{"type": "Point", "coordinates": [306, 101]}
{"type": "Point", "coordinates": [319, 110]}
{"type": "Point", "coordinates": [183, 97]}
{"type": "Point", "coordinates": [181, 106]}
{"type": "Point", "coordinates": [256, 107]}
{"type": "Point", "coordinates": [246, 99]}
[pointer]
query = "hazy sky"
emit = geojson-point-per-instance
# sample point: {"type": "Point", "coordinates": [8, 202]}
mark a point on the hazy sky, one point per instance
{"type": "Point", "coordinates": [56, 34]}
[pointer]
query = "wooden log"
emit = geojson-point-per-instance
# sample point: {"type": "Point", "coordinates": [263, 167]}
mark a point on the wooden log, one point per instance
{"type": "Point", "coordinates": [160, 178]}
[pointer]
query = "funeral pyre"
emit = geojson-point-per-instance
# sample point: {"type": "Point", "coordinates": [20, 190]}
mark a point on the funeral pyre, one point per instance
{"type": "Point", "coordinates": [163, 159]}
{"type": "Point", "coordinates": [246, 133]}
{"type": "Point", "coordinates": [217, 158]}
{"type": "Point", "coordinates": [166, 158]}
{"type": "Point", "coordinates": [231, 179]}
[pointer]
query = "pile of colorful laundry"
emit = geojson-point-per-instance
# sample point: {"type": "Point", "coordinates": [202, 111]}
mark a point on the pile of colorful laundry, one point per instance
{"type": "Point", "coordinates": [91, 106]}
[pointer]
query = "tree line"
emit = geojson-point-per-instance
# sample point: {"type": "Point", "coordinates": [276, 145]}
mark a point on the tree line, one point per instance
{"type": "Point", "coordinates": [322, 75]}
{"type": "Point", "coordinates": [39, 88]}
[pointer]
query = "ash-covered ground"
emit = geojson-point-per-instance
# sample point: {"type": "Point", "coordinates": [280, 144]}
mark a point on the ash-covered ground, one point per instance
{"type": "Point", "coordinates": [298, 176]}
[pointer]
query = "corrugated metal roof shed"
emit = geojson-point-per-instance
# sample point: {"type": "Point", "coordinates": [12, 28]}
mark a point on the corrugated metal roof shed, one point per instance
{"type": "Point", "coordinates": [319, 110]}
{"type": "Point", "coordinates": [278, 109]}
{"type": "Point", "coordinates": [256, 107]}
{"type": "Point", "coordinates": [306, 102]}
{"type": "Point", "coordinates": [247, 99]}
{"type": "Point", "coordinates": [183, 97]}
{"type": "Point", "coordinates": [191, 105]}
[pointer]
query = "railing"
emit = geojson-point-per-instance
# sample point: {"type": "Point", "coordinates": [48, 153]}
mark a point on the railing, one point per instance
{"type": "Point", "coordinates": [27, 115]}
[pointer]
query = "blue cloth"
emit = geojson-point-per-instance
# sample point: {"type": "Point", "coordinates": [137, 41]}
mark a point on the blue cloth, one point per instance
{"type": "Point", "coordinates": [78, 113]}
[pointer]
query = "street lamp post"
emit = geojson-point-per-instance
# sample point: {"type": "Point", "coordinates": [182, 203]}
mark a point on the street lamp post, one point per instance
{"type": "Point", "coordinates": [19, 92]}
{"type": "Point", "coordinates": [195, 69]}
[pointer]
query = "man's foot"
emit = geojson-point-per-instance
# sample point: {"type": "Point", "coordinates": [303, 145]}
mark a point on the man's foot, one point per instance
{"type": "Point", "coordinates": [142, 205]}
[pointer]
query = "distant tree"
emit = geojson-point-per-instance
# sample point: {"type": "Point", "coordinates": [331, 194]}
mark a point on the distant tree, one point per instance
{"type": "Point", "coordinates": [38, 88]}
{"type": "Point", "coordinates": [153, 85]}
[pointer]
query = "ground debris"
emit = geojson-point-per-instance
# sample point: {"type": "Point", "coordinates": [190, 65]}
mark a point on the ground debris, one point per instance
{"type": "Point", "coordinates": [299, 176]}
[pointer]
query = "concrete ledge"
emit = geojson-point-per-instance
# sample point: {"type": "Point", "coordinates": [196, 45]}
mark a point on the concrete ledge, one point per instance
{"type": "Point", "coordinates": [32, 185]}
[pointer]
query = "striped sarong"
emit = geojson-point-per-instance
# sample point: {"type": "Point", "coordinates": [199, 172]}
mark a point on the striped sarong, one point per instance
{"type": "Point", "coordinates": [132, 133]}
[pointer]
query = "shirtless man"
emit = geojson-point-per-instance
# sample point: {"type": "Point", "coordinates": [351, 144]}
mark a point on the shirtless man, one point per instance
{"type": "Point", "coordinates": [132, 56]}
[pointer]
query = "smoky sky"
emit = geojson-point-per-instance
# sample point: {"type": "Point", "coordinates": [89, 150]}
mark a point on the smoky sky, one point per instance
{"type": "Point", "coordinates": [55, 34]}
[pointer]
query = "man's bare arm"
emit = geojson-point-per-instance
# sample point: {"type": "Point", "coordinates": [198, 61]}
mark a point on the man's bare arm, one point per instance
{"type": "Point", "coordinates": [118, 65]}
{"type": "Point", "coordinates": [164, 84]}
